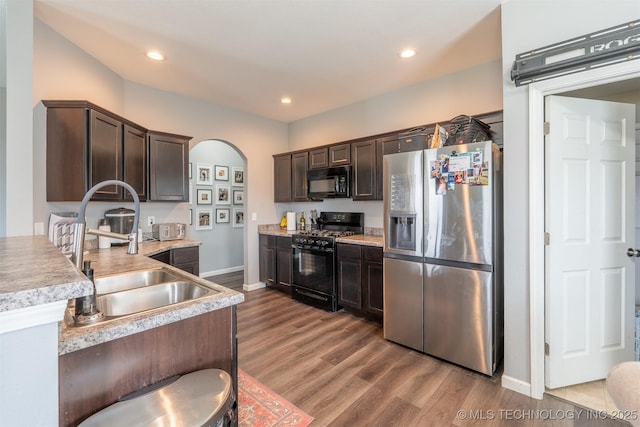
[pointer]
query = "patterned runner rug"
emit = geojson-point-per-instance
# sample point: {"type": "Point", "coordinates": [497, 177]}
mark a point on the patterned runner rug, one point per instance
{"type": "Point", "coordinates": [259, 406]}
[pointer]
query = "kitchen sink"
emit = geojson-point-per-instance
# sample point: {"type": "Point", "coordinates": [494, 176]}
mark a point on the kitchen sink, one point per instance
{"type": "Point", "coordinates": [128, 293]}
{"type": "Point", "coordinates": [146, 298]}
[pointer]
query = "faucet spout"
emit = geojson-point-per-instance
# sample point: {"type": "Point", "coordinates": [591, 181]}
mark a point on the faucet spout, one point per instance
{"type": "Point", "coordinates": [77, 256]}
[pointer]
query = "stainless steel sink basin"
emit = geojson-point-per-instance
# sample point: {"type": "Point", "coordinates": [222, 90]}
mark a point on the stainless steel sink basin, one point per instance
{"type": "Point", "coordinates": [137, 291]}
{"type": "Point", "coordinates": [132, 280]}
{"type": "Point", "coordinates": [150, 297]}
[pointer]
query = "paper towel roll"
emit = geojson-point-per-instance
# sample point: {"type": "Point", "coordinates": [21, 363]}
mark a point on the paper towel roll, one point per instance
{"type": "Point", "coordinates": [291, 221]}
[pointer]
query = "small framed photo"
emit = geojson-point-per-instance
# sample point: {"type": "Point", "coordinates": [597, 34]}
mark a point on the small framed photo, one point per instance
{"type": "Point", "coordinates": [222, 173]}
{"type": "Point", "coordinates": [238, 197]}
{"type": "Point", "coordinates": [205, 196]}
{"type": "Point", "coordinates": [223, 215]}
{"type": "Point", "coordinates": [222, 194]}
{"type": "Point", "coordinates": [204, 219]}
{"type": "Point", "coordinates": [205, 174]}
{"type": "Point", "coordinates": [238, 176]}
{"type": "Point", "coordinates": [190, 168]}
{"type": "Point", "coordinates": [238, 217]}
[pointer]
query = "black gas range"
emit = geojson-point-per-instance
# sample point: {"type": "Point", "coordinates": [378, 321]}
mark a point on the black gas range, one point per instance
{"type": "Point", "coordinates": [314, 258]}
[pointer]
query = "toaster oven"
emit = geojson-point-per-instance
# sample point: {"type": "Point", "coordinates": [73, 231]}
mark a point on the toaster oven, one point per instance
{"type": "Point", "coordinates": [168, 231]}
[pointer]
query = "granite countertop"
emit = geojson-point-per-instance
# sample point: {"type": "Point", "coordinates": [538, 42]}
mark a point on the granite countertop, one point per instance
{"type": "Point", "coordinates": [116, 260]}
{"type": "Point", "coordinates": [34, 272]}
{"type": "Point", "coordinates": [357, 239]}
{"type": "Point", "coordinates": [363, 239]}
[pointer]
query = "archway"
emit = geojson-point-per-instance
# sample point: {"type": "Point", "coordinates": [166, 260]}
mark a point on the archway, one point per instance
{"type": "Point", "coordinates": [217, 188]}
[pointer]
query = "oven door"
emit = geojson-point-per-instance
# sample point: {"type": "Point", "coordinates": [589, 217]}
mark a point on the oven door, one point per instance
{"type": "Point", "coordinates": [313, 269]}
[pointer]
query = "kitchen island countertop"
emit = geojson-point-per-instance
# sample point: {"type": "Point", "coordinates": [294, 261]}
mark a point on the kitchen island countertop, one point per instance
{"type": "Point", "coordinates": [34, 272]}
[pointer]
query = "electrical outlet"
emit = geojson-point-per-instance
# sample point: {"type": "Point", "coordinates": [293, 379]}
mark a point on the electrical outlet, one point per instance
{"type": "Point", "coordinates": [151, 220]}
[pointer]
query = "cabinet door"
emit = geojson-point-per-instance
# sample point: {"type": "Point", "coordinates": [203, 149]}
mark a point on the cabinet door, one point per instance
{"type": "Point", "coordinates": [168, 174]}
{"type": "Point", "coordinates": [282, 178]}
{"type": "Point", "coordinates": [372, 281]}
{"type": "Point", "coordinates": [135, 161]}
{"type": "Point", "coordinates": [365, 172]}
{"type": "Point", "coordinates": [187, 259]}
{"type": "Point", "coordinates": [340, 155]}
{"type": "Point", "coordinates": [105, 153]}
{"type": "Point", "coordinates": [349, 276]}
{"type": "Point", "coordinates": [67, 147]}
{"type": "Point", "coordinates": [318, 158]}
{"type": "Point", "coordinates": [284, 255]}
{"type": "Point", "coordinates": [267, 259]}
{"type": "Point", "coordinates": [299, 178]}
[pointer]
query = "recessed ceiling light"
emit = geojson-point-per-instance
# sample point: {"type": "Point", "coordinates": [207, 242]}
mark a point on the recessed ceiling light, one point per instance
{"type": "Point", "coordinates": [285, 100]}
{"type": "Point", "coordinates": [407, 53]}
{"type": "Point", "coordinates": [154, 54]}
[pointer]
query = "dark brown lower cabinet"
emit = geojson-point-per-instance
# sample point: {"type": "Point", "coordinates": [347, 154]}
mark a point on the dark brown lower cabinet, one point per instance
{"type": "Point", "coordinates": [95, 377]}
{"type": "Point", "coordinates": [359, 275]}
{"type": "Point", "coordinates": [187, 259]}
{"type": "Point", "coordinates": [275, 262]}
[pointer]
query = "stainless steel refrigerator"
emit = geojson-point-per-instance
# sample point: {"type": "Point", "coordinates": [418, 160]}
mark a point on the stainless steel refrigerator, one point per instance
{"type": "Point", "coordinates": [443, 253]}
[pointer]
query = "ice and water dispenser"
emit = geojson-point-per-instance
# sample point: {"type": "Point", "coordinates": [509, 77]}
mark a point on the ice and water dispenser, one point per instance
{"type": "Point", "coordinates": [402, 232]}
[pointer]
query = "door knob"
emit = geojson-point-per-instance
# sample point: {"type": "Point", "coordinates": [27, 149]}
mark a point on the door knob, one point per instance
{"type": "Point", "coordinates": [633, 252]}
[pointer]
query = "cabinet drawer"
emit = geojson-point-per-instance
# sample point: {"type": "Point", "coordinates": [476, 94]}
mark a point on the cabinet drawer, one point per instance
{"type": "Point", "coordinates": [184, 255]}
{"type": "Point", "coordinates": [372, 254]}
{"type": "Point", "coordinates": [349, 251]}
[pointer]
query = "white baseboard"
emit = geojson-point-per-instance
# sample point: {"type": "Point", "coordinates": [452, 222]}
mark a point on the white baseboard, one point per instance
{"type": "Point", "coordinates": [253, 287]}
{"type": "Point", "coordinates": [221, 271]}
{"type": "Point", "coordinates": [516, 385]}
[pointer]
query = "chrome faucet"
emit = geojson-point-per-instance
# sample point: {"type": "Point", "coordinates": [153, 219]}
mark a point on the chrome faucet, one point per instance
{"type": "Point", "coordinates": [86, 307]}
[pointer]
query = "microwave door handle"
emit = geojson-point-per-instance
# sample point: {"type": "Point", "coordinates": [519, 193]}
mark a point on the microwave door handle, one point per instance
{"type": "Point", "coordinates": [337, 184]}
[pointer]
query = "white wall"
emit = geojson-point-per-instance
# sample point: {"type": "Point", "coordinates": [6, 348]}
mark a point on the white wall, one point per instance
{"type": "Point", "coordinates": [526, 25]}
{"type": "Point", "coordinates": [19, 171]}
{"type": "Point", "coordinates": [64, 71]}
{"type": "Point", "coordinates": [222, 249]}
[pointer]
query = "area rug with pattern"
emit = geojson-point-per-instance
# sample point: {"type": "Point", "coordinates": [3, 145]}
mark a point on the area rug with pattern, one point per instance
{"type": "Point", "coordinates": [259, 406]}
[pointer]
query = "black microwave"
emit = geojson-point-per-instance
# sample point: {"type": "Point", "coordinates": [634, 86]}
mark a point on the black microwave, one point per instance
{"type": "Point", "coordinates": [329, 182]}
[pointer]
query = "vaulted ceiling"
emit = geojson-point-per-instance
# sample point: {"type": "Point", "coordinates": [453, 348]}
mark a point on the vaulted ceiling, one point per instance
{"type": "Point", "coordinates": [248, 54]}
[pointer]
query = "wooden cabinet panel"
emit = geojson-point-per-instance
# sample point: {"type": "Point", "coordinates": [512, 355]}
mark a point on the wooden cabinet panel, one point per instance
{"type": "Point", "coordinates": [299, 177]}
{"type": "Point", "coordinates": [282, 169]}
{"type": "Point", "coordinates": [364, 170]}
{"type": "Point", "coordinates": [187, 259]}
{"type": "Point", "coordinates": [360, 279]}
{"type": "Point", "coordinates": [135, 161]}
{"type": "Point", "coordinates": [105, 152]}
{"type": "Point", "coordinates": [267, 259]}
{"type": "Point", "coordinates": [95, 377]}
{"type": "Point", "coordinates": [284, 253]}
{"type": "Point", "coordinates": [340, 155]}
{"type": "Point", "coordinates": [168, 161]}
{"type": "Point", "coordinates": [319, 158]}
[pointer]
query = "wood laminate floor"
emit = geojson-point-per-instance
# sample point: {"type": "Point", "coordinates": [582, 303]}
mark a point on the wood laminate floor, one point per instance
{"type": "Point", "coordinates": [339, 369]}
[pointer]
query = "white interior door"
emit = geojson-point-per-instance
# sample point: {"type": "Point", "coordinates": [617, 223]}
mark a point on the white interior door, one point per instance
{"type": "Point", "coordinates": [589, 218]}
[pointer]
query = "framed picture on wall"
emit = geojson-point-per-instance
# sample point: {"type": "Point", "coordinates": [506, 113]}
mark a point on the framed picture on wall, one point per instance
{"type": "Point", "coordinates": [205, 174]}
{"type": "Point", "coordinates": [204, 219]}
{"type": "Point", "coordinates": [238, 217]}
{"type": "Point", "coordinates": [205, 196]}
{"type": "Point", "coordinates": [238, 197]}
{"type": "Point", "coordinates": [222, 173]}
{"type": "Point", "coordinates": [222, 194]}
{"type": "Point", "coordinates": [238, 176]}
{"type": "Point", "coordinates": [190, 216]}
{"type": "Point", "coordinates": [190, 167]}
{"type": "Point", "coordinates": [223, 215]}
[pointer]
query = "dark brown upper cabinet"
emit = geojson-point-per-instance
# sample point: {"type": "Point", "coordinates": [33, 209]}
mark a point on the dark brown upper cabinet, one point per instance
{"type": "Point", "coordinates": [299, 163]}
{"type": "Point", "coordinates": [168, 167]}
{"type": "Point", "coordinates": [319, 158]}
{"type": "Point", "coordinates": [87, 145]}
{"type": "Point", "coordinates": [282, 178]}
{"type": "Point", "coordinates": [340, 155]}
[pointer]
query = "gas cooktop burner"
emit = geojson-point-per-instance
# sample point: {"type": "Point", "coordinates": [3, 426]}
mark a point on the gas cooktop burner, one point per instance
{"type": "Point", "coordinates": [326, 233]}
